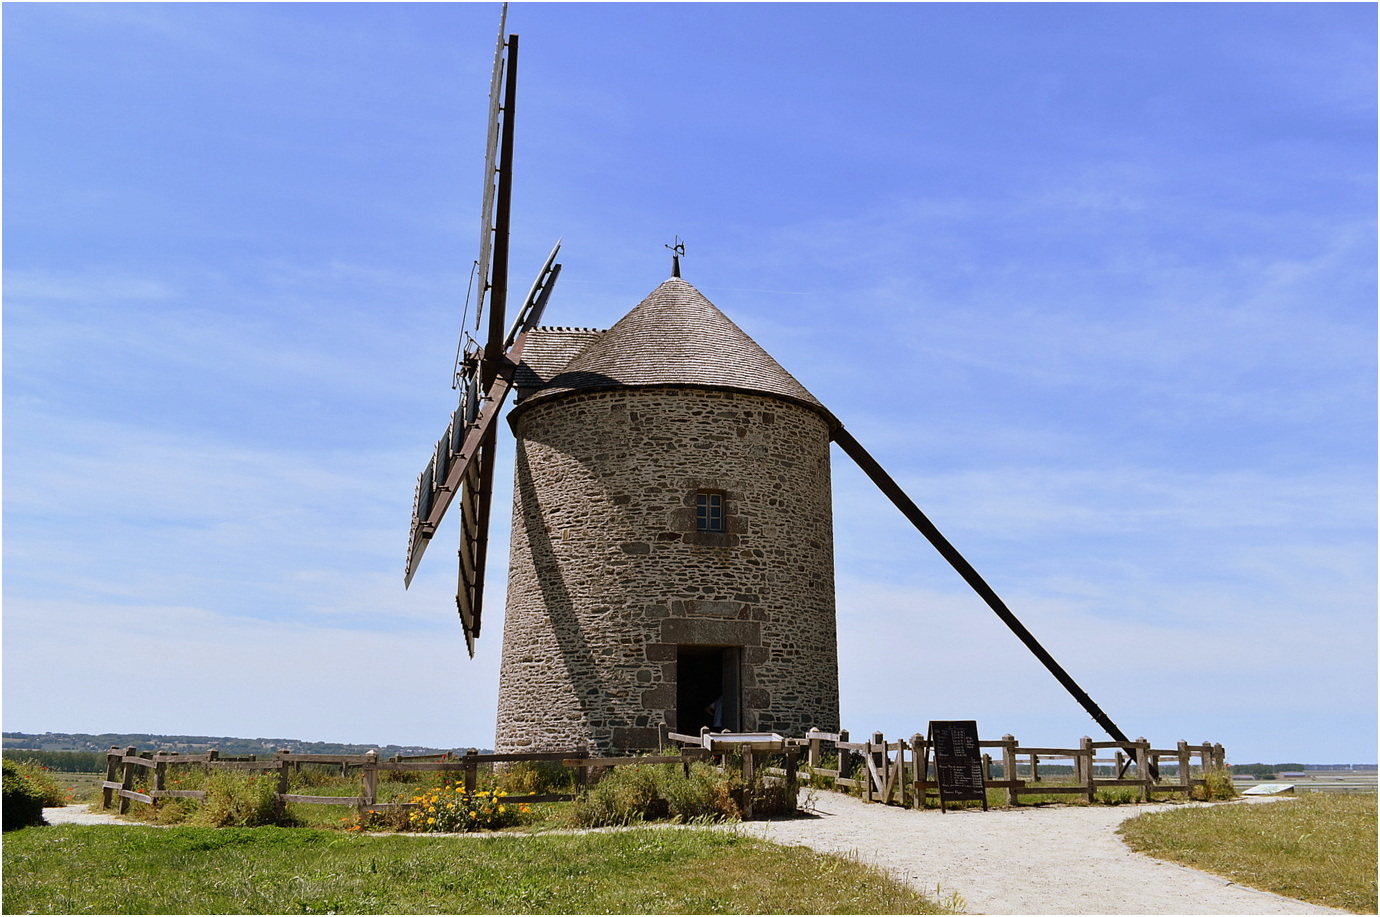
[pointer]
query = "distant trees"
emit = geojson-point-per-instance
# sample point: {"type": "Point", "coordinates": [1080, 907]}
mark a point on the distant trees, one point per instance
{"type": "Point", "coordinates": [39, 745]}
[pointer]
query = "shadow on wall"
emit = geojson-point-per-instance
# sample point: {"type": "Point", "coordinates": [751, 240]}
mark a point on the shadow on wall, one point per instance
{"type": "Point", "coordinates": [574, 649]}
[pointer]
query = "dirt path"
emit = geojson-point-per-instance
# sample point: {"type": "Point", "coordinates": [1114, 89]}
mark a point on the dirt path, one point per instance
{"type": "Point", "coordinates": [1048, 860]}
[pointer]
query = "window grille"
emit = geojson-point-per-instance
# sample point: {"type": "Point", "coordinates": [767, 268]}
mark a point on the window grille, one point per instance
{"type": "Point", "coordinates": [709, 511]}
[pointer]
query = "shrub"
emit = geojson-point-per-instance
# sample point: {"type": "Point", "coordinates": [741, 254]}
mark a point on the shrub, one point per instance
{"type": "Point", "coordinates": [379, 820]}
{"type": "Point", "coordinates": [703, 794]}
{"type": "Point", "coordinates": [41, 779]}
{"type": "Point", "coordinates": [534, 778]}
{"type": "Point", "coordinates": [627, 795]}
{"type": "Point", "coordinates": [449, 808]}
{"type": "Point", "coordinates": [314, 775]}
{"type": "Point", "coordinates": [770, 800]}
{"type": "Point", "coordinates": [236, 799]}
{"type": "Point", "coordinates": [23, 803]}
{"type": "Point", "coordinates": [1217, 785]}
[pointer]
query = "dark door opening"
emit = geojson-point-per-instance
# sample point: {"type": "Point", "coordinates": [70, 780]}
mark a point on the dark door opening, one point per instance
{"type": "Point", "coordinates": [706, 688]}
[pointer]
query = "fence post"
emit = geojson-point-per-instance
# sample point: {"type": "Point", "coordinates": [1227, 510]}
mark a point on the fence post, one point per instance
{"type": "Point", "coordinates": [371, 780]}
{"type": "Point", "coordinates": [112, 764]}
{"type": "Point", "coordinates": [1185, 767]}
{"type": "Point", "coordinates": [747, 782]}
{"type": "Point", "coordinates": [284, 768]}
{"type": "Point", "coordinates": [792, 753]}
{"type": "Point", "coordinates": [471, 771]}
{"type": "Point", "coordinates": [1219, 756]}
{"type": "Point", "coordinates": [127, 781]}
{"type": "Point", "coordinates": [878, 766]}
{"type": "Point", "coordinates": [1142, 752]}
{"type": "Point", "coordinates": [812, 759]}
{"type": "Point", "coordinates": [1086, 760]}
{"type": "Point", "coordinates": [1008, 765]}
{"type": "Point", "coordinates": [917, 761]}
{"type": "Point", "coordinates": [159, 772]}
{"type": "Point", "coordinates": [902, 746]}
{"type": "Point", "coordinates": [845, 756]}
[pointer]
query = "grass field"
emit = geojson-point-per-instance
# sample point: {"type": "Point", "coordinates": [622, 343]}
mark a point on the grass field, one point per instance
{"type": "Point", "coordinates": [1319, 847]}
{"type": "Point", "coordinates": [137, 870]}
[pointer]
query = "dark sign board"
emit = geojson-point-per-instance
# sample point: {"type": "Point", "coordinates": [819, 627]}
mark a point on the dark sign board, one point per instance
{"type": "Point", "coordinates": [957, 761]}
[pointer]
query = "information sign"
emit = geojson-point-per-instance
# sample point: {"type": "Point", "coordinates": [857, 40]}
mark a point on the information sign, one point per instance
{"type": "Point", "coordinates": [957, 761]}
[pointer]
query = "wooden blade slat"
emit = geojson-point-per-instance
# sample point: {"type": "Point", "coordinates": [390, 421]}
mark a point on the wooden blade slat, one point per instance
{"type": "Point", "coordinates": [469, 595]}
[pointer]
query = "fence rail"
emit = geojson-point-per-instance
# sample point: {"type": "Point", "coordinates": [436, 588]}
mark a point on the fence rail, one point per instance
{"type": "Point", "coordinates": [123, 765]}
{"type": "Point", "coordinates": [903, 772]}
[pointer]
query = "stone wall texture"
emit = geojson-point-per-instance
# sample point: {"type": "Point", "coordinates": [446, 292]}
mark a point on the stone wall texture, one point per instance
{"type": "Point", "coordinates": [608, 575]}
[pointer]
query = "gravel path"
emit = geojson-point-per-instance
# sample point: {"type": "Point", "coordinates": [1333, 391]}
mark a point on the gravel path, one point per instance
{"type": "Point", "coordinates": [1047, 860]}
{"type": "Point", "coordinates": [80, 815]}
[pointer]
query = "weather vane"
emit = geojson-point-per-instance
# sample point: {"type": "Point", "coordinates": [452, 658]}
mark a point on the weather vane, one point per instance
{"type": "Point", "coordinates": [677, 252]}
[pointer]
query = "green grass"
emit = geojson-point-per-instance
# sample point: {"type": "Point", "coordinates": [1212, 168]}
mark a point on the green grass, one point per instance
{"type": "Point", "coordinates": [1319, 847]}
{"type": "Point", "coordinates": [132, 870]}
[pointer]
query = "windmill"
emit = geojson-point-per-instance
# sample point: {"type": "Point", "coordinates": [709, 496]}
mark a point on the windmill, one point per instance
{"type": "Point", "coordinates": [672, 546]}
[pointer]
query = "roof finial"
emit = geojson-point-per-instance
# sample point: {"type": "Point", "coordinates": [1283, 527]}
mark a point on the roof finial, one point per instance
{"type": "Point", "coordinates": [677, 251]}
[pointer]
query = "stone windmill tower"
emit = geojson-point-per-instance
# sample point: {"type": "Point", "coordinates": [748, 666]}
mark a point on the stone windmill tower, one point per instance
{"type": "Point", "coordinates": [672, 548]}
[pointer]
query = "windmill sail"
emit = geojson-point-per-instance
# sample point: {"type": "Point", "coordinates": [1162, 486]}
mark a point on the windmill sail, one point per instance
{"type": "Point", "coordinates": [469, 424]}
{"type": "Point", "coordinates": [483, 386]}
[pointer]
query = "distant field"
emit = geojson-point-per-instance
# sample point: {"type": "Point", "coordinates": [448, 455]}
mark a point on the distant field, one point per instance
{"type": "Point", "coordinates": [1317, 782]}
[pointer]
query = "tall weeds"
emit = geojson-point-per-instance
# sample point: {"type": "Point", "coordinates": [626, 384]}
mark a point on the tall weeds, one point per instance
{"type": "Point", "coordinates": [647, 792]}
{"type": "Point", "coordinates": [235, 799]}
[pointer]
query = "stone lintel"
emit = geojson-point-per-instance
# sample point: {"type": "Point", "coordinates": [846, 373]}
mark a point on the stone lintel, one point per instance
{"type": "Point", "coordinates": [711, 632]}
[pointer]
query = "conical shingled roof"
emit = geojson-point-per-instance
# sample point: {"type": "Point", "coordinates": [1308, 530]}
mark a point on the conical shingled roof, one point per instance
{"type": "Point", "coordinates": [677, 337]}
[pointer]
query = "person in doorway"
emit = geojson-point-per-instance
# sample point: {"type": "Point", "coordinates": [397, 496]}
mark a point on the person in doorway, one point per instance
{"type": "Point", "coordinates": [716, 713]}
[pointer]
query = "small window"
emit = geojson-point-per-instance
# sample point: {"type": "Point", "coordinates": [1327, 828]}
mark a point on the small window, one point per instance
{"type": "Point", "coordinates": [709, 512]}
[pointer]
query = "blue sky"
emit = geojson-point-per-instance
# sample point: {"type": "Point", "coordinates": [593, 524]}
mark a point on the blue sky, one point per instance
{"type": "Point", "coordinates": [1096, 283]}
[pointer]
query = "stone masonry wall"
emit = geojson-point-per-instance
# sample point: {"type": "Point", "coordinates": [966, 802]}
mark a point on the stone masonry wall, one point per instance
{"type": "Point", "coordinates": [608, 575]}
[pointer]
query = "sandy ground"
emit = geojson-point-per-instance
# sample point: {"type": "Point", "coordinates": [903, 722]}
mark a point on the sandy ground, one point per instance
{"type": "Point", "coordinates": [1048, 860]}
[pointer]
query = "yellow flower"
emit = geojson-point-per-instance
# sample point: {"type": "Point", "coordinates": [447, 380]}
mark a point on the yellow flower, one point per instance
{"type": "Point", "coordinates": [431, 821]}
{"type": "Point", "coordinates": [471, 813]}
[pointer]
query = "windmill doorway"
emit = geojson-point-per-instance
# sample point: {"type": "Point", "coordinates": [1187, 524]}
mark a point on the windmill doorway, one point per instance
{"type": "Point", "coordinates": [707, 692]}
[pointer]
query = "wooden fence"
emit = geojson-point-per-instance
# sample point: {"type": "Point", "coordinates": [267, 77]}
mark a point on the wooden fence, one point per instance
{"type": "Point", "coordinates": [122, 766]}
{"type": "Point", "coordinates": [902, 772]}
{"type": "Point", "coordinates": [899, 772]}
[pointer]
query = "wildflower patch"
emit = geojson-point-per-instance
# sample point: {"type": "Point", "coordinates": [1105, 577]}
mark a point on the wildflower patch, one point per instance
{"type": "Point", "coordinates": [449, 808]}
